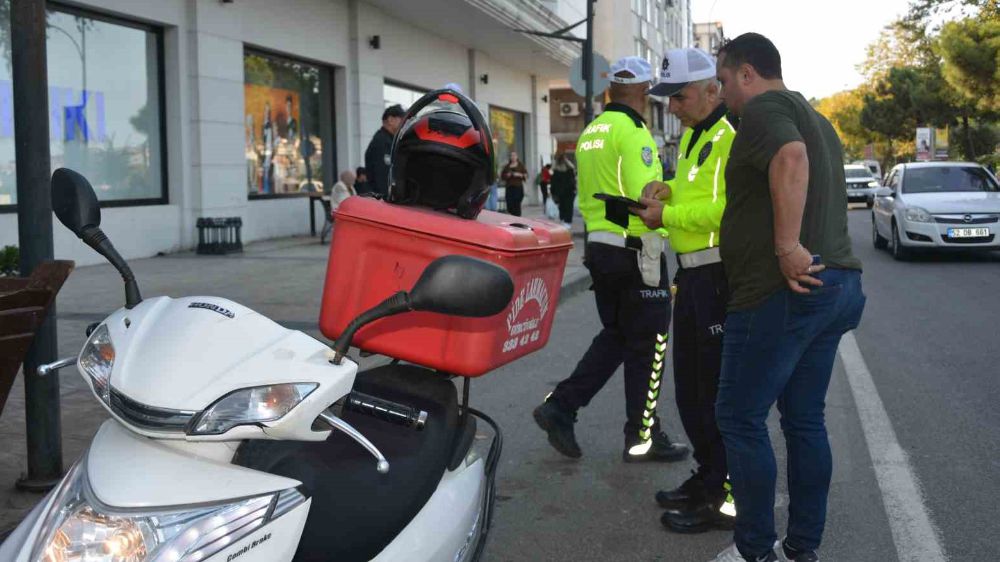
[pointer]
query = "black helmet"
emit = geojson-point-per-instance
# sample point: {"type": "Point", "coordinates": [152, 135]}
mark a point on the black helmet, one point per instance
{"type": "Point", "coordinates": [443, 158]}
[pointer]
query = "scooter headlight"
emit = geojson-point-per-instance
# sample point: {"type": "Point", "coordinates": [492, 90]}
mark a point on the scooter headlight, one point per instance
{"type": "Point", "coordinates": [97, 359]}
{"type": "Point", "coordinates": [78, 527]}
{"type": "Point", "coordinates": [250, 406]}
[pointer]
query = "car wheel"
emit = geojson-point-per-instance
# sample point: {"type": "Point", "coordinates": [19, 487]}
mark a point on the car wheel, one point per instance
{"type": "Point", "coordinates": [870, 202]}
{"type": "Point", "coordinates": [899, 252]}
{"type": "Point", "coordinates": [878, 241]}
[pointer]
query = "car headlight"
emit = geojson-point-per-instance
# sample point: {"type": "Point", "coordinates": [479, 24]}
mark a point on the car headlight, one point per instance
{"type": "Point", "coordinates": [873, 184]}
{"type": "Point", "coordinates": [77, 527]}
{"type": "Point", "coordinates": [917, 214]}
{"type": "Point", "coordinates": [250, 406]}
{"type": "Point", "coordinates": [97, 359]}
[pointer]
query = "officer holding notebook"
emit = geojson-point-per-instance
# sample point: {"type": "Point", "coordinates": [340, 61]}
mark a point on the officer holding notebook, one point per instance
{"type": "Point", "coordinates": [617, 157]}
{"type": "Point", "coordinates": [691, 207]}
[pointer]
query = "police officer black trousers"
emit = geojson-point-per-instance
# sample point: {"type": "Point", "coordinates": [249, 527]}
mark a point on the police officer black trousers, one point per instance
{"type": "Point", "coordinates": [699, 316]}
{"type": "Point", "coordinates": [635, 319]}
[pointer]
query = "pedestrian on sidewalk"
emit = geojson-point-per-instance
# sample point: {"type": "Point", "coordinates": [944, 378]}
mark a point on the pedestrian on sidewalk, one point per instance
{"type": "Point", "coordinates": [616, 155]}
{"type": "Point", "coordinates": [564, 188]}
{"type": "Point", "coordinates": [343, 189]}
{"type": "Point", "coordinates": [544, 179]}
{"type": "Point", "coordinates": [361, 184]}
{"type": "Point", "coordinates": [514, 174]}
{"type": "Point", "coordinates": [795, 289]}
{"type": "Point", "coordinates": [379, 151]}
{"type": "Point", "coordinates": [690, 207]}
{"type": "Point", "coordinates": [332, 200]}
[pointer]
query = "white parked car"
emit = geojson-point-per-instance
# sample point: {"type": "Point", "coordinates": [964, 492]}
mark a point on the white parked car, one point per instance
{"type": "Point", "coordinates": [937, 205]}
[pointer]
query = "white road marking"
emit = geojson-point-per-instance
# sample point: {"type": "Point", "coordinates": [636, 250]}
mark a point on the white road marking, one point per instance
{"type": "Point", "coordinates": [913, 532]}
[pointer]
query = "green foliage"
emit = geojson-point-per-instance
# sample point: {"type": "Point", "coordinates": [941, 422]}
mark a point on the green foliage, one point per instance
{"type": "Point", "coordinates": [10, 261]}
{"type": "Point", "coordinates": [898, 45]}
{"type": "Point", "coordinates": [843, 110]}
{"type": "Point", "coordinates": [970, 49]}
{"type": "Point", "coordinates": [888, 110]}
{"type": "Point", "coordinates": [976, 140]}
{"type": "Point", "coordinates": [922, 11]}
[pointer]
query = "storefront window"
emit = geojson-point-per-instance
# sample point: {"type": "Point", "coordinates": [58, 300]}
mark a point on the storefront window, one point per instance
{"type": "Point", "coordinates": [105, 107]}
{"type": "Point", "coordinates": [403, 95]}
{"type": "Point", "coordinates": [508, 134]}
{"type": "Point", "coordinates": [287, 125]}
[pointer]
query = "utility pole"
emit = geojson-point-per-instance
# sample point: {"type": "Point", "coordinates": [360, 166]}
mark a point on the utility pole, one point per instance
{"type": "Point", "coordinates": [588, 54]}
{"type": "Point", "coordinates": [34, 227]}
{"type": "Point", "coordinates": [588, 66]}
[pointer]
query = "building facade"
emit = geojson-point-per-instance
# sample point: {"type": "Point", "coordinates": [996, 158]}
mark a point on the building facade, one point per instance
{"type": "Point", "coordinates": [709, 36]}
{"type": "Point", "coordinates": [181, 109]}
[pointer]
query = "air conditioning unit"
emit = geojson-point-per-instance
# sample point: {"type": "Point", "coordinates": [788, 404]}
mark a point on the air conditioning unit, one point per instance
{"type": "Point", "coordinates": [569, 109]}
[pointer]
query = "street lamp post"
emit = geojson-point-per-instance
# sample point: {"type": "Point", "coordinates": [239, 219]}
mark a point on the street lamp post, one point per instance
{"type": "Point", "coordinates": [34, 226]}
{"type": "Point", "coordinates": [588, 65]}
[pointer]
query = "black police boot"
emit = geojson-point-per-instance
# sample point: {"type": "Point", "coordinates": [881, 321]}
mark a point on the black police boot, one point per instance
{"type": "Point", "coordinates": [701, 516]}
{"type": "Point", "coordinates": [558, 423]}
{"type": "Point", "coordinates": [691, 491]}
{"type": "Point", "coordinates": [657, 449]}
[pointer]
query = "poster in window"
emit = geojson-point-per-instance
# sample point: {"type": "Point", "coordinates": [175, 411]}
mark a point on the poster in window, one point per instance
{"type": "Point", "coordinates": [272, 139]}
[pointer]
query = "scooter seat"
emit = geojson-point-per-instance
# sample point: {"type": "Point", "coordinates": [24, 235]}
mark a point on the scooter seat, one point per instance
{"type": "Point", "coordinates": [356, 512]}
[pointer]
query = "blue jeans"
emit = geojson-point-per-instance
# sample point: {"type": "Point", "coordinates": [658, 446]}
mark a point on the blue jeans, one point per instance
{"type": "Point", "coordinates": [783, 350]}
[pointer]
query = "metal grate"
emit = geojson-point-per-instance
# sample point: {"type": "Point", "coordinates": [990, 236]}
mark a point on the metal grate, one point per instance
{"type": "Point", "coordinates": [960, 219]}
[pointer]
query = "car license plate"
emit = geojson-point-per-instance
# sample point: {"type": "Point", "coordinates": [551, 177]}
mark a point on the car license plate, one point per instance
{"type": "Point", "coordinates": [968, 232]}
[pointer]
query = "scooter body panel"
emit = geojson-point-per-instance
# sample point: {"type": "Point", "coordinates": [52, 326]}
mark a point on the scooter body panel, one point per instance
{"type": "Point", "coordinates": [447, 527]}
{"type": "Point", "coordinates": [274, 542]}
{"type": "Point", "coordinates": [185, 354]}
{"type": "Point", "coordinates": [132, 471]}
{"type": "Point", "coordinates": [17, 547]}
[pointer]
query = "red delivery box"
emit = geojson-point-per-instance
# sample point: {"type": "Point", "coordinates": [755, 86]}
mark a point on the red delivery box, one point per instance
{"type": "Point", "coordinates": [379, 249]}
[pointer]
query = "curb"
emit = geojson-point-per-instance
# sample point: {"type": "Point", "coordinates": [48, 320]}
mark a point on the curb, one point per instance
{"type": "Point", "coordinates": [574, 284]}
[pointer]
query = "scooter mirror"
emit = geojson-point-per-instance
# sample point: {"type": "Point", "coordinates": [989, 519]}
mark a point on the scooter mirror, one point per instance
{"type": "Point", "coordinates": [74, 201]}
{"type": "Point", "coordinates": [462, 286]}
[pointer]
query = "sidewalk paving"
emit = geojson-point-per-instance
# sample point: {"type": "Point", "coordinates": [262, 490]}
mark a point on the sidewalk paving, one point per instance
{"type": "Point", "coordinates": [281, 278]}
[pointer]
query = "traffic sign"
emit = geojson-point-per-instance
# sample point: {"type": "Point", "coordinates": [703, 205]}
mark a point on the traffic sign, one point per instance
{"type": "Point", "coordinates": [602, 69]}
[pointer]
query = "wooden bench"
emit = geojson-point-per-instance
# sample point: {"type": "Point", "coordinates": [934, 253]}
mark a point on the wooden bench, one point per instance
{"type": "Point", "coordinates": [24, 302]}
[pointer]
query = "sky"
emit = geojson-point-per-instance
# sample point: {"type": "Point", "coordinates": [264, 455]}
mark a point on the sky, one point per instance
{"type": "Point", "coordinates": [820, 41]}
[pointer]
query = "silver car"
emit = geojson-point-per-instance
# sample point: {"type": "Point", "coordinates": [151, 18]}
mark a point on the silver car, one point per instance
{"type": "Point", "coordinates": [937, 205]}
{"type": "Point", "coordinates": [861, 184]}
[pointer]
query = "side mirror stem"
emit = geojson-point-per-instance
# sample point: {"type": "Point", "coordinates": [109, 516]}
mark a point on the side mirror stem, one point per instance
{"type": "Point", "coordinates": [399, 302]}
{"type": "Point", "coordinates": [95, 238]}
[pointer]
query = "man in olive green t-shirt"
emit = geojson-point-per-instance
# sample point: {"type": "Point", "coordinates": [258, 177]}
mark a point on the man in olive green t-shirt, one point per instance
{"type": "Point", "coordinates": [795, 289]}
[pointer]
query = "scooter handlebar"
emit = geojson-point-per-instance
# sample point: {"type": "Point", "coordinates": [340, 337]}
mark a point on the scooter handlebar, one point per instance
{"type": "Point", "coordinates": [386, 410]}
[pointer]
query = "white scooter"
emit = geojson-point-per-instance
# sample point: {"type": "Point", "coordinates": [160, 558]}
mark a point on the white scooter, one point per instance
{"type": "Point", "coordinates": [220, 447]}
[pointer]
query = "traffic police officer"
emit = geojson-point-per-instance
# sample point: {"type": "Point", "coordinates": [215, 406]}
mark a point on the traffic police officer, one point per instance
{"type": "Point", "coordinates": [691, 207]}
{"type": "Point", "coordinates": [616, 156]}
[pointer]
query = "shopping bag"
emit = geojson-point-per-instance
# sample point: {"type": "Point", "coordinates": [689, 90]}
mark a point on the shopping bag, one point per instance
{"type": "Point", "coordinates": [551, 209]}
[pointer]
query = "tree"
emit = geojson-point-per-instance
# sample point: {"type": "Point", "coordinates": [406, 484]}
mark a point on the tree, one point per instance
{"type": "Point", "coordinates": [971, 52]}
{"type": "Point", "coordinates": [922, 11]}
{"type": "Point", "coordinates": [899, 44]}
{"type": "Point", "coordinates": [843, 109]}
{"type": "Point", "coordinates": [888, 110]}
